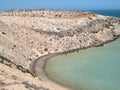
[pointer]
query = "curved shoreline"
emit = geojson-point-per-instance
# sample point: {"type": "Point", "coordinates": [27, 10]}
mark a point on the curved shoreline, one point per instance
{"type": "Point", "coordinates": [37, 66]}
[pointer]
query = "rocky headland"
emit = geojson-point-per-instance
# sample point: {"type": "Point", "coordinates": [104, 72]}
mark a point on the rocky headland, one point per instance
{"type": "Point", "coordinates": [26, 35]}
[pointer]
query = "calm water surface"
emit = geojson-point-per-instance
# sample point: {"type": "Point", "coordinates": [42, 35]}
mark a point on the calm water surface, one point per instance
{"type": "Point", "coordinates": [115, 13]}
{"type": "Point", "coordinates": [90, 69]}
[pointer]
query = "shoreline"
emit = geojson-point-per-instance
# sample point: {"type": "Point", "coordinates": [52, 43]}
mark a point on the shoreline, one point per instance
{"type": "Point", "coordinates": [37, 67]}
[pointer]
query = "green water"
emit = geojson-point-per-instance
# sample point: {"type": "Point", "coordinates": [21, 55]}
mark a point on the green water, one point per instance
{"type": "Point", "coordinates": [90, 69]}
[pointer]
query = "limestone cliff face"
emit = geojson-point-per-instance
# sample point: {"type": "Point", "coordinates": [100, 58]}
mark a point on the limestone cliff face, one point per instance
{"type": "Point", "coordinates": [26, 35]}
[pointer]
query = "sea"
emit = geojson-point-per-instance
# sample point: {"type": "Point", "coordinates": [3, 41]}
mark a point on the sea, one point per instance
{"type": "Point", "coordinates": [114, 13]}
{"type": "Point", "coordinates": [96, 68]}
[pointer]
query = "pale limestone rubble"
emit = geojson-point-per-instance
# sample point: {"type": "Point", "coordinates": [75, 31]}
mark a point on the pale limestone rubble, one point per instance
{"type": "Point", "coordinates": [26, 35]}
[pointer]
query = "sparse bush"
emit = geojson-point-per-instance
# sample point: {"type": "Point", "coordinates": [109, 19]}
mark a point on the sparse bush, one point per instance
{"type": "Point", "coordinates": [50, 39]}
{"type": "Point", "coordinates": [46, 49]}
{"type": "Point", "coordinates": [14, 45]}
{"type": "Point", "coordinates": [20, 68]}
{"type": "Point", "coordinates": [24, 70]}
{"type": "Point", "coordinates": [11, 64]}
{"type": "Point", "coordinates": [2, 57]}
{"type": "Point", "coordinates": [4, 33]}
{"type": "Point", "coordinates": [1, 60]}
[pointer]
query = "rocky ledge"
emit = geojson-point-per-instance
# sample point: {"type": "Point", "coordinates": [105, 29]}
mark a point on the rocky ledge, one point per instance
{"type": "Point", "coordinates": [26, 35]}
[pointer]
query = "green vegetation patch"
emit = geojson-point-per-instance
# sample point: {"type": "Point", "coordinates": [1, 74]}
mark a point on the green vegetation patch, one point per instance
{"type": "Point", "coordinates": [9, 63]}
{"type": "Point", "coordinates": [24, 70]}
{"type": "Point", "coordinates": [1, 57]}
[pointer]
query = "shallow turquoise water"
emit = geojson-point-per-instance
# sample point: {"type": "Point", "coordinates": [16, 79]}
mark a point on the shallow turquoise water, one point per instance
{"type": "Point", "coordinates": [90, 69]}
